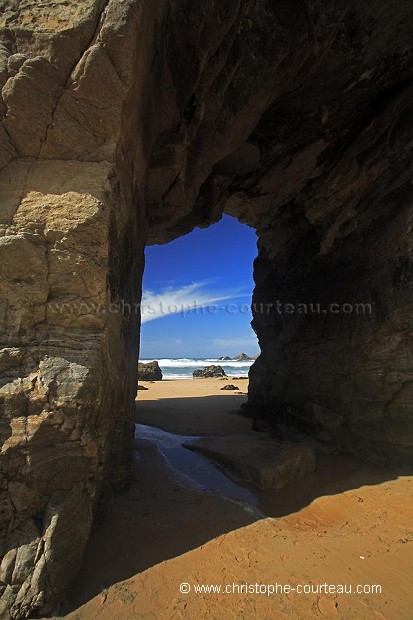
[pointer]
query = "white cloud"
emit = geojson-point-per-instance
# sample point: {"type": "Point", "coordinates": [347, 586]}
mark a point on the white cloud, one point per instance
{"type": "Point", "coordinates": [182, 300]}
{"type": "Point", "coordinates": [235, 343]}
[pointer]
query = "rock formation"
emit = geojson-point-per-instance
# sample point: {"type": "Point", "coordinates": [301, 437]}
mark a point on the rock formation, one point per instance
{"type": "Point", "coordinates": [209, 372]}
{"type": "Point", "coordinates": [149, 371]}
{"type": "Point", "coordinates": [127, 122]}
{"type": "Point", "coordinates": [265, 463]}
{"type": "Point", "coordinates": [242, 357]}
{"type": "Point", "coordinates": [230, 387]}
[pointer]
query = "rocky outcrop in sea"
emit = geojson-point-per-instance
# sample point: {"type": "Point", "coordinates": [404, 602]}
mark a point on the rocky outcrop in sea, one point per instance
{"type": "Point", "coordinates": [209, 372]}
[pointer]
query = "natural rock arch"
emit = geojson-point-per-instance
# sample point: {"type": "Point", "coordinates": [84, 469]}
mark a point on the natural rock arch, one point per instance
{"type": "Point", "coordinates": [130, 122]}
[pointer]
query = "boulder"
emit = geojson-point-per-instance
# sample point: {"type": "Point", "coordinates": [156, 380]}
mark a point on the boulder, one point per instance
{"type": "Point", "coordinates": [224, 358]}
{"type": "Point", "coordinates": [265, 463]}
{"type": "Point", "coordinates": [141, 387]}
{"type": "Point", "coordinates": [209, 372]}
{"type": "Point", "coordinates": [230, 386]}
{"type": "Point", "coordinates": [149, 371]}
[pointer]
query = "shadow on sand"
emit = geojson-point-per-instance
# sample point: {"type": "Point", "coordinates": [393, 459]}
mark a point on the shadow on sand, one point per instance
{"type": "Point", "coordinates": [160, 518]}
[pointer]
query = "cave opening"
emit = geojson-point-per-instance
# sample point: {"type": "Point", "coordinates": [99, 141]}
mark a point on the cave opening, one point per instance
{"type": "Point", "coordinates": [176, 502]}
{"type": "Point", "coordinates": [196, 345]}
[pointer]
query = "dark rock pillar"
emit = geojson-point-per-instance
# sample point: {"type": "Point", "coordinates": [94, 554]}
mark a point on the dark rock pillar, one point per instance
{"type": "Point", "coordinates": [336, 333]}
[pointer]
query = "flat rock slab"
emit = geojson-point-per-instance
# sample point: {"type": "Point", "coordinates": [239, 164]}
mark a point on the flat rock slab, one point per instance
{"type": "Point", "coordinates": [266, 463]}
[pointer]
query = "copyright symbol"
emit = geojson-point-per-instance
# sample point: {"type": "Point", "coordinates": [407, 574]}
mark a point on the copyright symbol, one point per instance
{"type": "Point", "coordinates": [185, 588]}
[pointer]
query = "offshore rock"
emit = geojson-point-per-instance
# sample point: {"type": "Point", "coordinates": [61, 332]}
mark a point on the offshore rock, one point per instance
{"type": "Point", "coordinates": [209, 372]}
{"type": "Point", "coordinates": [149, 371]}
{"type": "Point", "coordinates": [242, 357]}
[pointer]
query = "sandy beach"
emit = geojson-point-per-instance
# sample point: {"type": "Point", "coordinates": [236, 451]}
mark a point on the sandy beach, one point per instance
{"type": "Point", "coordinates": [194, 406]}
{"type": "Point", "coordinates": [347, 524]}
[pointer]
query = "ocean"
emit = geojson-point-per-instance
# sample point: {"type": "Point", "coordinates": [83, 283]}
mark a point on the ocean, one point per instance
{"type": "Point", "coordinates": [182, 368]}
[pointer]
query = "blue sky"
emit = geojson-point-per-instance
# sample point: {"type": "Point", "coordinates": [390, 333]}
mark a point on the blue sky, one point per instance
{"type": "Point", "coordinates": [211, 269]}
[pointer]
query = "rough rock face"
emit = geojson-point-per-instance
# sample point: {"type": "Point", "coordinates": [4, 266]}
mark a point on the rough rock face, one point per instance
{"type": "Point", "coordinates": [340, 372]}
{"type": "Point", "coordinates": [125, 122]}
{"type": "Point", "coordinates": [209, 372]}
{"type": "Point", "coordinates": [63, 373]}
{"type": "Point", "coordinates": [149, 371]}
{"type": "Point", "coordinates": [68, 272]}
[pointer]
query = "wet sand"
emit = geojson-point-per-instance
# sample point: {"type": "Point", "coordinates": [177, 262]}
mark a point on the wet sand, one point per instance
{"type": "Point", "coordinates": [348, 523]}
